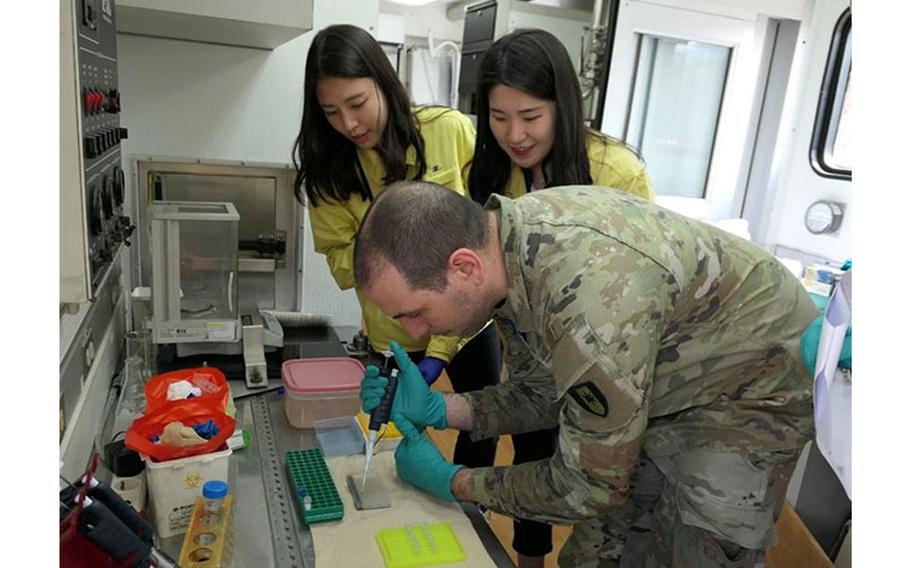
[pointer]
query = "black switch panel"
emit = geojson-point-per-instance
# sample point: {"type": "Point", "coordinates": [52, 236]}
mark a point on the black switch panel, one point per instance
{"type": "Point", "coordinates": [101, 104]}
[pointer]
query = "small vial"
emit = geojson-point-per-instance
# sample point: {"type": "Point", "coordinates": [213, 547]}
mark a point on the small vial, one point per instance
{"type": "Point", "coordinates": [307, 502]}
{"type": "Point", "coordinates": [213, 494]}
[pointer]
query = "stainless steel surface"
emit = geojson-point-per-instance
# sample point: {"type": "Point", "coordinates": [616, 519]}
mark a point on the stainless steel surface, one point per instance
{"type": "Point", "coordinates": [162, 560]}
{"type": "Point", "coordinates": [256, 264]}
{"type": "Point", "coordinates": [289, 548]}
{"type": "Point", "coordinates": [240, 390]}
{"type": "Point", "coordinates": [267, 529]}
{"type": "Point", "coordinates": [376, 496]}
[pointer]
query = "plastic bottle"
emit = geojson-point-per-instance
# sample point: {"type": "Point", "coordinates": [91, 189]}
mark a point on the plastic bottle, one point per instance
{"type": "Point", "coordinates": [213, 494]}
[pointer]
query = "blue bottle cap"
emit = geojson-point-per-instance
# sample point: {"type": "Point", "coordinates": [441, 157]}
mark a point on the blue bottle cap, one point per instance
{"type": "Point", "coordinates": [215, 489]}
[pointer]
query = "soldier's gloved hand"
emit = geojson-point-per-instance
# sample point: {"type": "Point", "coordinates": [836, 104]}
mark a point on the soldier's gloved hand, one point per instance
{"type": "Point", "coordinates": [430, 368]}
{"type": "Point", "coordinates": [413, 398]}
{"type": "Point", "coordinates": [419, 463]}
{"type": "Point", "coordinates": [371, 388]}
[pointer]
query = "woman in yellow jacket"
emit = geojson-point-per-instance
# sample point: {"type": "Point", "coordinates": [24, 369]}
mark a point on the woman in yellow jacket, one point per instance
{"type": "Point", "coordinates": [358, 134]}
{"type": "Point", "coordinates": [531, 135]}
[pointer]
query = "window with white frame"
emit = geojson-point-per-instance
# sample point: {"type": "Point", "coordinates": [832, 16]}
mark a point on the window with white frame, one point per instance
{"type": "Point", "coordinates": [830, 153]}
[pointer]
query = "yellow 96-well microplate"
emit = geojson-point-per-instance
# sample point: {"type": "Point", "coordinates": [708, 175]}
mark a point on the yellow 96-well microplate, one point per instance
{"type": "Point", "coordinates": [419, 545]}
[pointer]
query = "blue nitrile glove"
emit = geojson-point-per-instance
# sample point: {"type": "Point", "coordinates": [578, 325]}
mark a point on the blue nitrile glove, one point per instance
{"type": "Point", "coordinates": [206, 429]}
{"type": "Point", "coordinates": [419, 462]}
{"type": "Point", "coordinates": [430, 368]}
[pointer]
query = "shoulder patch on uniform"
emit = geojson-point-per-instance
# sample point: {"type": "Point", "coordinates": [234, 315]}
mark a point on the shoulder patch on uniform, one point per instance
{"type": "Point", "coordinates": [589, 397]}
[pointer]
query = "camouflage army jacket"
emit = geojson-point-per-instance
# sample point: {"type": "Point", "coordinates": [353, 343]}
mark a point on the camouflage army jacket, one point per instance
{"type": "Point", "coordinates": [634, 327]}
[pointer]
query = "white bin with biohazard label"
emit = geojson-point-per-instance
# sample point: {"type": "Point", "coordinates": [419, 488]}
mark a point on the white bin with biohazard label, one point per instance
{"type": "Point", "coordinates": [175, 484]}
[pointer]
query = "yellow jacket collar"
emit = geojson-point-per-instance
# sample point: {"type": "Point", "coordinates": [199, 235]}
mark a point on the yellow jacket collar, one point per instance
{"type": "Point", "coordinates": [371, 155]}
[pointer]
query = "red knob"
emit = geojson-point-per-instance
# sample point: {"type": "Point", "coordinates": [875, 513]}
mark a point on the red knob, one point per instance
{"type": "Point", "coordinates": [99, 101]}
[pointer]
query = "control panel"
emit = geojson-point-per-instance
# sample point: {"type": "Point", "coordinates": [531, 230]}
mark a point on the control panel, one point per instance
{"type": "Point", "coordinates": [100, 135]}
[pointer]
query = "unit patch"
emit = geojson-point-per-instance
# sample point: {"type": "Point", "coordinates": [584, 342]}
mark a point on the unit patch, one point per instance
{"type": "Point", "coordinates": [589, 397]}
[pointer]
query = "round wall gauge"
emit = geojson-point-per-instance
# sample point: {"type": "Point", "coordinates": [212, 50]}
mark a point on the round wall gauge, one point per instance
{"type": "Point", "coordinates": [824, 217]}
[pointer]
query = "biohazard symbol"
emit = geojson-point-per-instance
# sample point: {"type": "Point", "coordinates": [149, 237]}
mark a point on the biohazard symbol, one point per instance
{"type": "Point", "coordinates": [193, 481]}
{"type": "Point", "coordinates": [591, 399]}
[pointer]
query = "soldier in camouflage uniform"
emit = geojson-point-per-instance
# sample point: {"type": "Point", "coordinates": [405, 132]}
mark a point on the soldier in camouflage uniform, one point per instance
{"type": "Point", "coordinates": [666, 350]}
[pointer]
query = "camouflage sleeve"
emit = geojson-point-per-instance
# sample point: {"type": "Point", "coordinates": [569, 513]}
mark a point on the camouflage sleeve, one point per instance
{"type": "Point", "coordinates": [601, 422]}
{"type": "Point", "coordinates": [603, 331]}
{"type": "Point", "coordinates": [524, 403]}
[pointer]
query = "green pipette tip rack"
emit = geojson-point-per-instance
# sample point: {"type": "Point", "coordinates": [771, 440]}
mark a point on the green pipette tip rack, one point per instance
{"type": "Point", "coordinates": [310, 476]}
{"type": "Point", "coordinates": [419, 545]}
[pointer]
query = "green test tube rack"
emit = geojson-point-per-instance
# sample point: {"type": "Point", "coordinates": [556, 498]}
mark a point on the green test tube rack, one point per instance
{"type": "Point", "coordinates": [310, 477]}
{"type": "Point", "coordinates": [419, 545]}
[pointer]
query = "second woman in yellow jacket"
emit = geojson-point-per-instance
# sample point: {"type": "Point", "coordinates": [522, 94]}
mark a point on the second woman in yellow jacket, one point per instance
{"type": "Point", "coordinates": [358, 134]}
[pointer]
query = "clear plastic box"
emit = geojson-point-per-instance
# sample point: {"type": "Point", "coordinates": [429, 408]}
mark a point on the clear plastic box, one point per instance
{"type": "Point", "coordinates": [339, 436]}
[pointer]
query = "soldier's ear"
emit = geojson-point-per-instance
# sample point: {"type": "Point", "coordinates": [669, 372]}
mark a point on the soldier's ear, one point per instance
{"type": "Point", "coordinates": [465, 265]}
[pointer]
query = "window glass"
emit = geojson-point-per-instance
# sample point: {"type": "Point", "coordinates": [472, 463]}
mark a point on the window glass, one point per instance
{"type": "Point", "coordinates": [676, 102]}
{"type": "Point", "coordinates": [841, 153]}
{"type": "Point", "coordinates": [830, 154]}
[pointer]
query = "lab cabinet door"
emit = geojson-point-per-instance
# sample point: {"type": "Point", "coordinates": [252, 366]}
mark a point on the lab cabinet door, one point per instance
{"type": "Point", "coordinates": [682, 90]}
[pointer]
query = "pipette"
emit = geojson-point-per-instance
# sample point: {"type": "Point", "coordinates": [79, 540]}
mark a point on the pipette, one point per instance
{"type": "Point", "coordinates": [379, 416]}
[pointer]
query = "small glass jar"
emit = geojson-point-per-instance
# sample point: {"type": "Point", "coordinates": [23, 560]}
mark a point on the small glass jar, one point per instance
{"type": "Point", "coordinates": [213, 494]}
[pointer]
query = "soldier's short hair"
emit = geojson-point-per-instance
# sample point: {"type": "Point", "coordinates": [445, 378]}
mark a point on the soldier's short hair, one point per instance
{"type": "Point", "coordinates": [415, 226]}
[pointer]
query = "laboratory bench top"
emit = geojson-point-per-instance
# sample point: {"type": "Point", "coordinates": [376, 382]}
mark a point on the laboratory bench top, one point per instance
{"type": "Point", "coordinates": [267, 528]}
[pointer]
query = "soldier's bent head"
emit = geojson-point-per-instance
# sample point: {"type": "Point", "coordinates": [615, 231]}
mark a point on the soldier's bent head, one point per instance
{"type": "Point", "coordinates": [415, 226]}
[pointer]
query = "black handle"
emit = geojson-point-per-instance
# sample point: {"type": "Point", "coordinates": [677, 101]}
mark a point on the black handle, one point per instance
{"type": "Point", "coordinates": [383, 411]}
{"type": "Point", "coordinates": [123, 510]}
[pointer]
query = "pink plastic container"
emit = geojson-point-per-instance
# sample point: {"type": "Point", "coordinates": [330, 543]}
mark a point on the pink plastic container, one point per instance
{"type": "Point", "coordinates": [320, 388]}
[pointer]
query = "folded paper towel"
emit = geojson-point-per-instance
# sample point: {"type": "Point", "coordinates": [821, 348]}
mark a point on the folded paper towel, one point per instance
{"type": "Point", "coordinates": [176, 434]}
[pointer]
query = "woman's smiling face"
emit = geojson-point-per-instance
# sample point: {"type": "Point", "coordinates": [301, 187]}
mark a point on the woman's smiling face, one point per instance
{"type": "Point", "coordinates": [524, 126]}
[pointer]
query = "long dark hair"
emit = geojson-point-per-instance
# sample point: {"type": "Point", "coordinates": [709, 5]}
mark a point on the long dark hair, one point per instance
{"type": "Point", "coordinates": [326, 162]}
{"type": "Point", "coordinates": [535, 62]}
